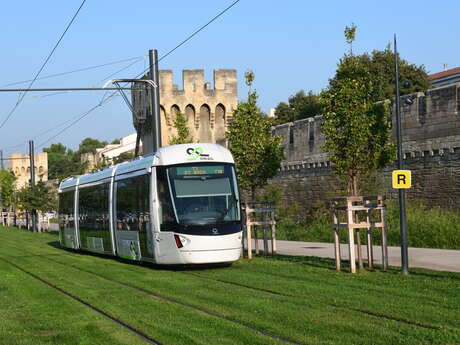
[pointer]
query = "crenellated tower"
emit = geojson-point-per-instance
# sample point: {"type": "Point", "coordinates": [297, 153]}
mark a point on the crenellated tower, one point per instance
{"type": "Point", "coordinates": [208, 110]}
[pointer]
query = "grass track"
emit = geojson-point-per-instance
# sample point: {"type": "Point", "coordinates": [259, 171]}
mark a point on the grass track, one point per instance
{"type": "Point", "coordinates": [300, 299]}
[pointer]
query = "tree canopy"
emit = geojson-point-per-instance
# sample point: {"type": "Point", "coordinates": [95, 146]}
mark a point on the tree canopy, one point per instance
{"type": "Point", "coordinates": [357, 129]}
{"type": "Point", "coordinates": [90, 145]}
{"type": "Point", "coordinates": [7, 189]}
{"type": "Point", "coordinates": [380, 65]}
{"type": "Point", "coordinates": [257, 153]}
{"type": "Point", "coordinates": [123, 157]}
{"type": "Point", "coordinates": [300, 106]}
{"type": "Point", "coordinates": [63, 162]}
{"type": "Point", "coordinates": [39, 197]}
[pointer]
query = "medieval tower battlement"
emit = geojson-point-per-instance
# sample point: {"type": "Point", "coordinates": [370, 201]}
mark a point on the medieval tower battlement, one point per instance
{"type": "Point", "coordinates": [208, 110]}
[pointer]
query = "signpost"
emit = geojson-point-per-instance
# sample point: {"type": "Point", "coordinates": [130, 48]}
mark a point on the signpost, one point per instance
{"type": "Point", "coordinates": [402, 196]}
{"type": "Point", "coordinates": [402, 179]}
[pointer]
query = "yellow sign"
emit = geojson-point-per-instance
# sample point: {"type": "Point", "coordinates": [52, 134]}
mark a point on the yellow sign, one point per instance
{"type": "Point", "coordinates": [402, 179]}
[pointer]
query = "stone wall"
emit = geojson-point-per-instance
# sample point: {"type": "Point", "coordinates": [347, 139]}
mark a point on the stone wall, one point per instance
{"type": "Point", "coordinates": [431, 146]}
{"type": "Point", "coordinates": [435, 180]}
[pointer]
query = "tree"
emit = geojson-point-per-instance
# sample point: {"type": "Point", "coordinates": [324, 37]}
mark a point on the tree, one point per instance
{"type": "Point", "coordinates": [123, 157]}
{"type": "Point", "coordinates": [380, 64]}
{"type": "Point", "coordinates": [350, 36]}
{"type": "Point", "coordinates": [39, 197]}
{"type": "Point", "coordinates": [301, 106]}
{"type": "Point", "coordinates": [357, 129]}
{"type": "Point", "coordinates": [56, 148]}
{"type": "Point", "coordinates": [63, 162]}
{"type": "Point", "coordinates": [90, 145]}
{"type": "Point", "coordinates": [183, 132]}
{"type": "Point", "coordinates": [103, 163]}
{"type": "Point", "coordinates": [257, 153]}
{"type": "Point", "coordinates": [7, 189]}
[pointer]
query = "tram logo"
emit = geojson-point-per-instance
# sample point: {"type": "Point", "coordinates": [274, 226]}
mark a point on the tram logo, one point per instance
{"type": "Point", "coordinates": [197, 154]}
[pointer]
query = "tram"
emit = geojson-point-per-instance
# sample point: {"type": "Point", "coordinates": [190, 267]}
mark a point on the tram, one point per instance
{"type": "Point", "coordinates": [180, 205]}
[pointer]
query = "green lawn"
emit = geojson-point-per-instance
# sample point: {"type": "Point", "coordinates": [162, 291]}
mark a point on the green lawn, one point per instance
{"type": "Point", "coordinates": [300, 300]}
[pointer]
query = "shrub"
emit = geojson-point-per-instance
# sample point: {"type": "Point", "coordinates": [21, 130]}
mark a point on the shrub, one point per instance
{"type": "Point", "coordinates": [428, 227]}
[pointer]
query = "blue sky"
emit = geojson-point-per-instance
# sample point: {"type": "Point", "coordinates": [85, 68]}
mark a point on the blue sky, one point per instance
{"type": "Point", "coordinates": [290, 45]}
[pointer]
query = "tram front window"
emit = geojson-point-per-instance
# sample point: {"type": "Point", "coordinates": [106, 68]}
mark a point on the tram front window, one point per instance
{"type": "Point", "coordinates": [204, 193]}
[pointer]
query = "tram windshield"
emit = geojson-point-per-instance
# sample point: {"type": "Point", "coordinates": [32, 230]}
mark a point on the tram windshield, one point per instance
{"type": "Point", "coordinates": [204, 193]}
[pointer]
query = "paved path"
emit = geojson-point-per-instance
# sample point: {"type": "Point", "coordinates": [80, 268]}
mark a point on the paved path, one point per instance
{"type": "Point", "coordinates": [435, 259]}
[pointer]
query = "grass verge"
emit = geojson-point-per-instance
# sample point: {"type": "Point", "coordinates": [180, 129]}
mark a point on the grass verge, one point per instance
{"type": "Point", "coordinates": [299, 299]}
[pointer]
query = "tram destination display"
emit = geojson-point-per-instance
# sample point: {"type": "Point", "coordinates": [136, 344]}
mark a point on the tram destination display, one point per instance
{"type": "Point", "coordinates": [200, 170]}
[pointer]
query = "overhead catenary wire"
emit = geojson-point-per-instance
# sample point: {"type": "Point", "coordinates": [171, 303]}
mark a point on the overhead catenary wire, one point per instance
{"type": "Point", "coordinates": [83, 69]}
{"type": "Point", "coordinates": [21, 96]}
{"type": "Point", "coordinates": [96, 83]}
{"type": "Point", "coordinates": [105, 99]}
{"type": "Point", "coordinates": [86, 113]}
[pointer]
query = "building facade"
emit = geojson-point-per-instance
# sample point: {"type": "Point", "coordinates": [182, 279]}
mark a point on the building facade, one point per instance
{"type": "Point", "coordinates": [109, 152]}
{"type": "Point", "coordinates": [447, 77]}
{"type": "Point", "coordinates": [19, 165]}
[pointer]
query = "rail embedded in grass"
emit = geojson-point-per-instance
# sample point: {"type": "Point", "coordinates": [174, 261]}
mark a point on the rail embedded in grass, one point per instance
{"type": "Point", "coordinates": [283, 296]}
{"type": "Point", "coordinates": [170, 300]}
{"type": "Point", "coordinates": [137, 332]}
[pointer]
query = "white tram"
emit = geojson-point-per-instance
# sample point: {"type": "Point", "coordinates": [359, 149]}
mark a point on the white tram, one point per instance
{"type": "Point", "coordinates": [178, 206]}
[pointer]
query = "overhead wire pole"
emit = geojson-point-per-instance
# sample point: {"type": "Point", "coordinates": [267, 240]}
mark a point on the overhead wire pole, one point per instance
{"type": "Point", "coordinates": [155, 94]}
{"type": "Point", "coordinates": [32, 181]}
{"type": "Point", "coordinates": [402, 193]}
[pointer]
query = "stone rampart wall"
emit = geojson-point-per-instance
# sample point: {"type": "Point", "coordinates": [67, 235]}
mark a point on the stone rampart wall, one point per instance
{"type": "Point", "coordinates": [435, 179]}
{"type": "Point", "coordinates": [431, 146]}
{"type": "Point", "coordinates": [431, 125]}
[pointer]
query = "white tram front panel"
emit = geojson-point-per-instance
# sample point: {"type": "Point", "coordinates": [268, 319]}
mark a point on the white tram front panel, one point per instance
{"type": "Point", "coordinates": [198, 205]}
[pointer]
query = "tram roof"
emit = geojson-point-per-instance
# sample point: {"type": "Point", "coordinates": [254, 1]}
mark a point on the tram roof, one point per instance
{"type": "Point", "coordinates": [167, 155]}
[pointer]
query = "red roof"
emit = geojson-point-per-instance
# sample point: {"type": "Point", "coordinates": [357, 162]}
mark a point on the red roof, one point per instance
{"type": "Point", "coordinates": [446, 73]}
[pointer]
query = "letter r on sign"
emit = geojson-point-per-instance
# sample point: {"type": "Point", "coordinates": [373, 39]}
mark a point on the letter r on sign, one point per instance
{"type": "Point", "coordinates": [402, 179]}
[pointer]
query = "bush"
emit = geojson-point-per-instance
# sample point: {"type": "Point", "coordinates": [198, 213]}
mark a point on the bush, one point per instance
{"type": "Point", "coordinates": [428, 227]}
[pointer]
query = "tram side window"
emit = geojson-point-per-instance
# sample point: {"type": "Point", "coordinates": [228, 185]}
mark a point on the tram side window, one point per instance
{"type": "Point", "coordinates": [66, 210]}
{"type": "Point", "coordinates": [133, 209]}
{"type": "Point", "coordinates": [94, 213]}
{"type": "Point", "coordinates": [167, 217]}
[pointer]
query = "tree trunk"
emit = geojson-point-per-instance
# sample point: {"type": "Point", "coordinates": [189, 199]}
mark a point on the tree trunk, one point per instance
{"type": "Point", "coordinates": [354, 188]}
{"type": "Point", "coordinates": [14, 217]}
{"type": "Point", "coordinates": [253, 193]}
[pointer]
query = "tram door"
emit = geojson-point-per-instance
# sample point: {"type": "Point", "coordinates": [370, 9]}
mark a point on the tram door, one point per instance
{"type": "Point", "coordinates": [133, 233]}
{"type": "Point", "coordinates": [67, 230]}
